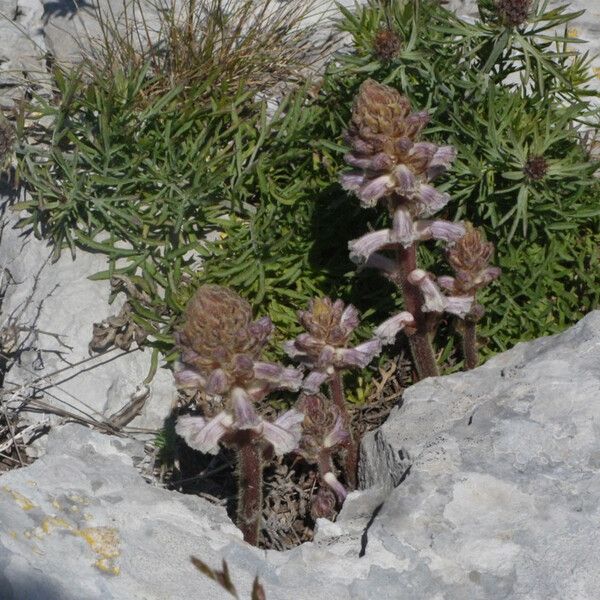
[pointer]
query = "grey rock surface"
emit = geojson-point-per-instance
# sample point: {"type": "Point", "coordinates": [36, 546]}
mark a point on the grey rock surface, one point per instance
{"type": "Point", "coordinates": [496, 498]}
{"type": "Point", "coordinates": [46, 300]}
{"type": "Point", "coordinates": [501, 469]}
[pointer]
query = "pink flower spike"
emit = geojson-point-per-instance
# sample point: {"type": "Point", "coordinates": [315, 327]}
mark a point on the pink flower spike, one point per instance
{"type": "Point", "coordinates": [435, 301]}
{"type": "Point", "coordinates": [360, 356]}
{"type": "Point", "coordinates": [331, 480]}
{"type": "Point", "coordinates": [446, 231]}
{"type": "Point", "coordinates": [285, 433]}
{"type": "Point", "coordinates": [202, 435]}
{"type": "Point", "coordinates": [363, 247]}
{"type": "Point", "coordinates": [371, 192]}
{"type": "Point", "coordinates": [459, 305]}
{"type": "Point", "coordinates": [352, 181]}
{"type": "Point", "coordinates": [388, 330]}
{"type": "Point", "coordinates": [245, 415]}
{"type": "Point", "coordinates": [314, 380]}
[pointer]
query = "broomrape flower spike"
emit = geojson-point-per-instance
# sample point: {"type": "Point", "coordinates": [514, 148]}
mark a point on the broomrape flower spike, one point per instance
{"type": "Point", "coordinates": [220, 348]}
{"type": "Point", "coordinates": [324, 433]}
{"type": "Point", "coordinates": [326, 351]}
{"type": "Point", "coordinates": [393, 165]}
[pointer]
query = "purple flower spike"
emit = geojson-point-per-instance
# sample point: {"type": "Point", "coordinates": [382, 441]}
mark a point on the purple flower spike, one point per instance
{"type": "Point", "coordinates": [435, 301]}
{"type": "Point", "coordinates": [388, 330]}
{"type": "Point", "coordinates": [203, 435]}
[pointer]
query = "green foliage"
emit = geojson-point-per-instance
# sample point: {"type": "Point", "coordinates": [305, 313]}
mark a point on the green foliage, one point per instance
{"type": "Point", "coordinates": [146, 158]}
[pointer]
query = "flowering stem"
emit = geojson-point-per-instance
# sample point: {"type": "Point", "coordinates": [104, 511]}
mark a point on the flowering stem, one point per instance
{"type": "Point", "coordinates": [469, 343]}
{"type": "Point", "coordinates": [351, 460]}
{"type": "Point", "coordinates": [420, 340]}
{"type": "Point", "coordinates": [250, 483]}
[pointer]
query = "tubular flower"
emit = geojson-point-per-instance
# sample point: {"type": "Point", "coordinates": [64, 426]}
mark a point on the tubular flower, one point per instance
{"type": "Point", "coordinates": [220, 346]}
{"type": "Point", "coordinates": [383, 135]}
{"type": "Point", "coordinates": [324, 346]}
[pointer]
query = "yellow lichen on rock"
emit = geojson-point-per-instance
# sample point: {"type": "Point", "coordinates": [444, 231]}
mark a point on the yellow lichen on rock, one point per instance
{"type": "Point", "coordinates": [24, 502]}
{"type": "Point", "coordinates": [104, 541]}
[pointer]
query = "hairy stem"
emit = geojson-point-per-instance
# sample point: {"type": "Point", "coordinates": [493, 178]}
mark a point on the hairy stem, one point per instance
{"type": "Point", "coordinates": [469, 343]}
{"type": "Point", "coordinates": [250, 483]}
{"type": "Point", "coordinates": [351, 459]}
{"type": "Point", "coordinates": [420, 340]}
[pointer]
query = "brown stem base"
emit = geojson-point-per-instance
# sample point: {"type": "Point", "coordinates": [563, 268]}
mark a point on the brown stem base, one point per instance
{"type": "Point", "coordinates": [351, 450]}
{"type": "Point", "coordinates": [469, 344]}
{"type": "Point", "coordinates": [250, 483]}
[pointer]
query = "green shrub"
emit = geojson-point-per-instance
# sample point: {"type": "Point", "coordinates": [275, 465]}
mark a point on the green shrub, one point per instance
{"type": "Point", "coordinates": [141, 166]}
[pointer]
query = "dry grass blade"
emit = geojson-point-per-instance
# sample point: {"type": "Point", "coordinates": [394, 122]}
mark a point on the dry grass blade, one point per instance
{"type": "Point", "coordinates": [221, 577]}
{"type": "Point", "coordinates": [254, 44]}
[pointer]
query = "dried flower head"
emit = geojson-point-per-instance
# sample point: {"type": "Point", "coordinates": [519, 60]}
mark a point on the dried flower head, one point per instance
{"type": "Point", "coordinates": [513, 12]}
{"type": "Point", "coordinates": [383, 135]}
{"type": "Point", "coordinates": [535, 168]}
{"type": "Point", "coordinates": [324, 348]}
{"type": "Point", "coordinates": [387, 44]}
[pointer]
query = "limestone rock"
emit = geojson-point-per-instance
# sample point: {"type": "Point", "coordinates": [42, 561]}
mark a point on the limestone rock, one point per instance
{"type": "Point", "coordinates": [46, 300]}
{"type": "Point", "coordinates": [501, 469]}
